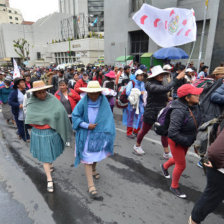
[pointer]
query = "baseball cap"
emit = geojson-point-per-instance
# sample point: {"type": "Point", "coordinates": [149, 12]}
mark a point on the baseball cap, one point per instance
{"type": "Point", "coordinates": [187, 89]}
{"type": "Point", "coordinates": [167, 67]}
{"type": "Point", "coordinates": [142, 67]}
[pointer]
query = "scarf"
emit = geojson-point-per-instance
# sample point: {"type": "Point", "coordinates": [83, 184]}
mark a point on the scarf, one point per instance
{"type": "Point", "coordinates": [103, 136]}
{"type": "Point", "coordinates": [51, 112]}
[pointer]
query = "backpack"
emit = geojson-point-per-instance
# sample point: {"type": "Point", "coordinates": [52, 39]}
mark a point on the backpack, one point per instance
{"type": "Point", "coordinates": [122, 98]}
{"type": "Point", "coordinates": [163, 120]}
{"type": "Point", "coordinates": [207, 134]}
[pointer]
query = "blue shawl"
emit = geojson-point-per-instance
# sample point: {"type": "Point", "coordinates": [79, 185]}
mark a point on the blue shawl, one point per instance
{"type": "Point", "coordinates": [102, 137]}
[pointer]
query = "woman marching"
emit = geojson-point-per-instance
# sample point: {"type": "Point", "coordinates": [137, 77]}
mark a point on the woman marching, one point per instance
{"type": "Point", "coordinates": [95, 133]}
{"type": "Point", "coordinates": [15, 100]}
{"type": "Point", "coordinates": [5, 89]}
{"type": "Point", "coordinates": [184, 120]}
{"type": "Point", "coordinates": [156, 100]}
{"type": "Point", "coordinates": [133, 115]}
{"type": "Point", "coordinates": [68, 97]}
{"type": "Point", "coordinates": [51, 127]}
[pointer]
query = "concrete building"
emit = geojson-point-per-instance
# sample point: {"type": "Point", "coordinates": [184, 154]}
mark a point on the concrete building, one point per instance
{"type": "Point", "coordinates": [89, 13]}
{"type": "Point", "coordinates": [46, 43]}
{"type": "Point", "coordinates": [122, 34]}
{"type": "Point", "coordinates": [9, 15]}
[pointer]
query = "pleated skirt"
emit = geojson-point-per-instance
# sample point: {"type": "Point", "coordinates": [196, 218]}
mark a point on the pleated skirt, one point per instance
{"type": "Point", "coordinates": [46, 145]}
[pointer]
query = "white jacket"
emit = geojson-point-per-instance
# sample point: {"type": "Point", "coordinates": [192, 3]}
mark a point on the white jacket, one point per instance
{"type": "Point", "coordinates": [134, 99]}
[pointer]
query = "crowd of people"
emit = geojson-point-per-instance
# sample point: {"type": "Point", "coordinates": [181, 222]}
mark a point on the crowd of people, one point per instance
{"type": "Point", "coordinates": [55, 104]}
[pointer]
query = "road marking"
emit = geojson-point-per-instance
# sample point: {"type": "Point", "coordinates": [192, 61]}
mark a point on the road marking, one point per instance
{"type": "Point", "coordinates": [159, 143]}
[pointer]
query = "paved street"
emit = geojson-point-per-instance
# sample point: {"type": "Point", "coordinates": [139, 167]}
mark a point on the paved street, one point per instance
{"type": "Point", "coordinates": [133, 188]}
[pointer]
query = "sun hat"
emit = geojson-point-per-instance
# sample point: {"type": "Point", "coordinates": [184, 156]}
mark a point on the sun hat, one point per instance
{"type": "Point", "coordinates": [92, 87]}
{"type": "Point", "coordinates": [157, 70]}
{"type": "Point", "coordinates": [138, 72]}
{"type": "Point", "coordinates": [39, 85]}
{"type": "Point", "coordinates": [189, 70]}
{"type": "Point", "coordinates": [167, 67]}
{"type": "Point", "coordinates": [218, 70]}
{"type": "Point", "coordinates": [187, 89]}
{"type": "Point", "coordinates": [111, 75]}
{"type": "Point", "coordinates": [17, 81]}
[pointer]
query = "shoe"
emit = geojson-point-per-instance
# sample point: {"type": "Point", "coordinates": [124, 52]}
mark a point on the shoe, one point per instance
{"type": "Point", "coordinates": [135, 134]}
{"type": "Point", "coordinates": [165, 172]}
{"type": "Point", "coordinates": [131, 136]}
{"type": "Point", "coordinates": [93, 194]}
{"type": "Point", "coordinates": [167, 155]}
{"type": "Point", "coordinates": [50, 186]}
{"type": "Point", "coordinates": [199, 164]}
{"type": "Point", "coordinates": [138, 150]}
{"type": "Point", "coordinates": [67, 144]}
{"type": "Point", "coordinates": [178, 193]}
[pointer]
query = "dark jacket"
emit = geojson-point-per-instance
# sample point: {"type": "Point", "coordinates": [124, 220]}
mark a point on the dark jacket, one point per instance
{"type": "Point", "coordinates": [178, 85]}
{"type": "Point", "coordinates": [157, 99]}
{"type": "Point", "coordinates": [216, 151]}
{"type": "Point", "coordinates": [13, 102]}
{"type": "Point", "coordinates": [182, 128]}
{"type": "Point", "coordinates": [211, 101]}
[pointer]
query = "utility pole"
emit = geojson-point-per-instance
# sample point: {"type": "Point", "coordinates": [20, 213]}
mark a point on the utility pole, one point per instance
{"type": "Point", "coordinates": [202, 35]}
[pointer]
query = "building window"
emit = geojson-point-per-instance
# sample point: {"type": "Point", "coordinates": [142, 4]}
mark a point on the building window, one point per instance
{"type": "Point", "coordinates": [137, 4]}
{"type": "Point", "coordinates": [3, 9]}
{"type": "Point", "coordinates": [10, 11]}
{"type": "Point", "coordinates": [38, 55]}
{"type": "Point", "coordinates": [16, 18]}
{"type": "Point", "coordinates": [139, 43]}
{"type": "Point", "coordinates": [11, 22]}
{"type": "Point", "coordinates": [10, 17]}
{"type": "Point", "coordinates": [15, 12]}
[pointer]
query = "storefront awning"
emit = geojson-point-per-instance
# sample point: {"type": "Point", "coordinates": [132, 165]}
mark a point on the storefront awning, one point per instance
{"type": "Point", "coordinates": [122, 58]}
{"type": "Point", "coordinates": [146, 55]}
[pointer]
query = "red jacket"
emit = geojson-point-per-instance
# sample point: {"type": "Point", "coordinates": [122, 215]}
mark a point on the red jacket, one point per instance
{"type": "Point", "coordinates": [79, 84]}
{"type": "Point", "coordinates": [74, 99]}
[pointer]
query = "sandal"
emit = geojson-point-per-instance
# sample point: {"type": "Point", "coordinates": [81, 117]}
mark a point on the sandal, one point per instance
{"type": "Point", "coordinates": [52, 169]}
{"type": "Point", "coordinates": [94, 194]}
{"type": "Point", "coordinates": [96, 176]}
{"type": "Point", "coordinates": [50, 186]}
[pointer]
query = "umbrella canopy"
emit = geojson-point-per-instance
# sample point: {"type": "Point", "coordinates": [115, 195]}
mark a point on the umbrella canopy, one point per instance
{"type": "Point", "coordinates": [170, 53]}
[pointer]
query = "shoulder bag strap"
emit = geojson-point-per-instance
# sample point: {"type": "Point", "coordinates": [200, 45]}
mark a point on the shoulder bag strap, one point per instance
{"type": "Point", "coordinates": [192, 115]}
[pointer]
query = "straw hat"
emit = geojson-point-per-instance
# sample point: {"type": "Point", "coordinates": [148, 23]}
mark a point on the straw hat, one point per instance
{"type": "Point", "coordinates": [157, 70]}
{"type": "Point", "coordinates": [39, 85]}
{"type": "Point", "coordinates": [93, 87]}
{"type": "Point", "coordinates": [218, 70]}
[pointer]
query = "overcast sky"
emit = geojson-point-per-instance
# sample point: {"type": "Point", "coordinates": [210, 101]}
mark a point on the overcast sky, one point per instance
{"type": "Point", "coordinates": [33, 10]}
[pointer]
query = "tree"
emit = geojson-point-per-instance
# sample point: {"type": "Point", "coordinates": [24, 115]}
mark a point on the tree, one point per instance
{"type": "Point", "coordinates": [22, 48]}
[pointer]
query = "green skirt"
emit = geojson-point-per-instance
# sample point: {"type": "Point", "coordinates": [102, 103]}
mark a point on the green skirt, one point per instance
{"type": "Point", "coordinates": [46, 145]}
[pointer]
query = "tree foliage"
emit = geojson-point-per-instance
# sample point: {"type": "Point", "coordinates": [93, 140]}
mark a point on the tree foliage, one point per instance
{"type": "Point", "coordinates": [22, 48]}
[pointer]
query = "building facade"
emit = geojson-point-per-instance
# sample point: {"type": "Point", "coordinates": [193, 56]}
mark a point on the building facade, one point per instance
{"type": "Point", "coordinates": [89, 13]}
{"type": "Point", "coordinates": [122, 35]}
{"type": "Point", "coordinates": [46, 44]}
{"type": "Point", "coordinates": [9, 15]}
